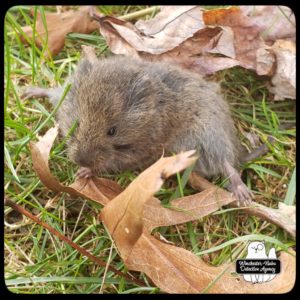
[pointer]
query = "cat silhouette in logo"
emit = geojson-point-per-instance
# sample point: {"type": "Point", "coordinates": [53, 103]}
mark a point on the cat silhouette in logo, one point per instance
{"type": "Point", "coordinates": [257, 250]}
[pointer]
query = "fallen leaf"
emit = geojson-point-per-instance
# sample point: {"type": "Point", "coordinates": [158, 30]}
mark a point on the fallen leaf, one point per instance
{"type": "Point", "coordinates": [123, 216]}
{"type": "Point", "coordinates": [265, 61]}
{"type": "Point", "coordinates": [252, 27]}
{"type": "Point", "coordinates": [247, 37]}
{"type": "Point", "coordinates": [282, 216]}
{"type": "Point", "coordinates": [58, 26]}
{"type": "Point", "coordinates": [212, 40]}
{"type": "Point", "coordinates": [176, 34]}
{"type": "Point", "coordinates": [171, 26]}
{"type": "Point", "coordinates": [96, 189]}
{"type": "Point", "coordinates": [176, 270]}
{"type": "Point", "coordinates": [284, 79]}
{"type": "Point", "coordinates": [117, 44]}
{"type": "Point", "coordinates": [182, 210]}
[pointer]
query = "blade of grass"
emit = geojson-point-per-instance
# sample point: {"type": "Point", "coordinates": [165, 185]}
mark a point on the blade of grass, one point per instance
{"type": "Point", "coordinates": [246, 238]}
{"type": "Point", "coordinates": [64, 279]}
{"type": "Point", "coordinates": [291, 192]}
{"type": "Point", "coordinates": [7, 69]}
{"type": "Point", "coordinates": [10, 164]}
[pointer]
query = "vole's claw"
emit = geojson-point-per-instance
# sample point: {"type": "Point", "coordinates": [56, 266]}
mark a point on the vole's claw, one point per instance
{"type": "Point", "coordinates": [84, 172]}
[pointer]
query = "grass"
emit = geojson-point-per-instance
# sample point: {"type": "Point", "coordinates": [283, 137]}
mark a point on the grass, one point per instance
{"type": "Point", "coordinates": [36, 262]}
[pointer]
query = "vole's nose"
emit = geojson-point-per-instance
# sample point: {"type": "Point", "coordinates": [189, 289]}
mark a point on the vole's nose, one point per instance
{"type": "Point", "coordinates": [84, 159]}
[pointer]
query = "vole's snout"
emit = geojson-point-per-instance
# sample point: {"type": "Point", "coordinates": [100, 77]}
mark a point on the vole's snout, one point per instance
{"type": "Point", "coordinates": [84, 159]}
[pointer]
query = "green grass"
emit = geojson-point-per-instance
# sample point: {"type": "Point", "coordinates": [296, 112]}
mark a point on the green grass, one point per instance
{"type": "Point", "coordinates": [37, 262]}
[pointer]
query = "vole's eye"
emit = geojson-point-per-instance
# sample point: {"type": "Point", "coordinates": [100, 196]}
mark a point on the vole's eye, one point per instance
{"type": "Point", "coordinates": [112, 131]}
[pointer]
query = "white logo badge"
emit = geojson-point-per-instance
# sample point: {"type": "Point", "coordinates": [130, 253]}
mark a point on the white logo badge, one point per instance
{"type": "Point", "coordinates": [257, 250]}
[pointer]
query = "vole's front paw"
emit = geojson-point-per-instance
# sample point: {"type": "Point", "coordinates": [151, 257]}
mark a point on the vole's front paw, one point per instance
{"type": "Point", "coordinates": [84, 172]}
{"type": "Point", "coordinates": [242, 194]}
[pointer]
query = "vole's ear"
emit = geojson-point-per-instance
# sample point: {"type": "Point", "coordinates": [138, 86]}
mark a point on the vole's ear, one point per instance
{"type": "Point", "coordinates": [89, 53]}
{"type": "Point", "coordinates": [84, 66]}
{"type": "Point", "coordinates": [88, 59]}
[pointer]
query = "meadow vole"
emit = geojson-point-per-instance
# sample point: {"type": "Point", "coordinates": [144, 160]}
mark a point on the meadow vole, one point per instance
{"type": "Point", "coordinates": [129, 111]}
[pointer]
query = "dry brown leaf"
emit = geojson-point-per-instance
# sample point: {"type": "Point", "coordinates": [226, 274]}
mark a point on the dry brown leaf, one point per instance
{"type": "Point", "coordinates": [213, 40]}
{"type": "Point", "coordinates": [175, 34]}
{"type": "Point", "coordinates": [124, 215]}
{"type": "Point", "coordinates": [283, 216]}
{"type": "Point", "coordinates": [170, 27]}
{"type": "Point", "coordinates": [212, 198]}
{"type": "Point", "coordinates": [167, 30]}
{"type": "Point", "coordinates": [252, 26]}
{"type": "Point", "coordinates": [59, 25]}
{"type": "Point", "coordinates": [97, 189]}
{"type": "Point", "coordinates": [185, 40]}
{"type": "Point", "coordinates": [247, 37]}
{"type": "Point", "coordinates": [129, 217]}
{"type": "Point", "coordinates": [279, 61]}
{"type": "Point", "coordinates": [265, 61]}
{"type": "Point", "coordinates": [184, 209]}
{"type": "Point", "coordinates": [116, 43]}
{"type": "Point", "coordinates": [284, 79]}
{"type": "Point", "coordinates": [176, 270]}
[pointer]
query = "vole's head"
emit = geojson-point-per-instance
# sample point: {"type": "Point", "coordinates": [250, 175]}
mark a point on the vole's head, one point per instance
{"type": "Point", "coordinates": [118, 119]}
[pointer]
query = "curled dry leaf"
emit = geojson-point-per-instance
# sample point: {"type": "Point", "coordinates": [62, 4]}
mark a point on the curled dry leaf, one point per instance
{"type": "Point", "coordinates": [59, 25]}
{"type": "Point", "coordinates": [163, 33]}
{"type": "Point", "coordinates": [185, 209]}
{"type": "Point", "coordinates": [247, 37]}
{"type": "Point", "coordinates": [176, 270]}
{"type": "Point", "coordinates": [284, 79]}
{"type": "Point", "coordinates": [96, 189]}
{"type": "Point", "coordinates": [131, 215]}
{"type": "Point", "coordinates": [175, 34]}
{"type": "Point", "coordinates": [213, 40]}
{"type": "Point", "coordinates": [124, 215]}
{"type": "Point", "coordinates": [284, 216]}
{"type": "Point", "coordinates": [252, 27]}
